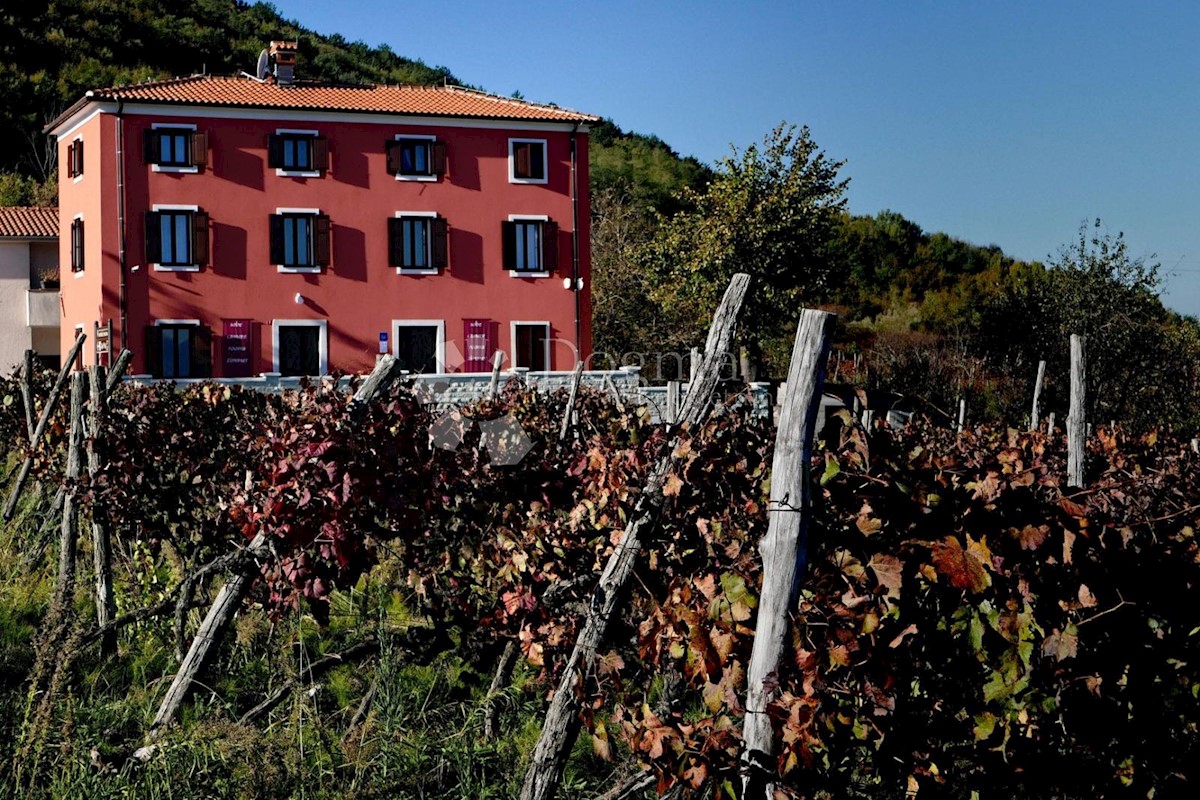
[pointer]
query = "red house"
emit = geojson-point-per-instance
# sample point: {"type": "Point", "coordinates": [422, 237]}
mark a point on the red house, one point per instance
{"type": "Point", "coordinates": [231, 226]}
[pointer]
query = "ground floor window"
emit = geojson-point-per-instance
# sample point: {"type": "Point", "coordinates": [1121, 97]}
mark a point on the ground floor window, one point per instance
{"type": "Point", "coordinates": [531, 345]}
{"type": "Point", "coordinates": [179, 349]}
{"type": "Point", "coordinates": [419, 345]}
{"type": "Point", "coordinates": [301, 347]}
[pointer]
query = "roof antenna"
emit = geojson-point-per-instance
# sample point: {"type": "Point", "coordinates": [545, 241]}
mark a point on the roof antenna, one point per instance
{"type": "Point", "coordinates": [263, 68]}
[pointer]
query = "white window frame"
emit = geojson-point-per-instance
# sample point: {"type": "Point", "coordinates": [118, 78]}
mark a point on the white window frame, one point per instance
{"type": "Point", "coordinates": [77, 273]}
{"type": "Point", "coordinates": [440, 345]}
{"type": "Point", "coordinates": [176, 126]}
{"type": "Point", "coordinates": [315, 268]}
{"type": "Point", "coordinates": [77, 178]}
{"type": "Point", "coordinates": [181, 267]}
{"type": "Point", "coordinates": [429, 243]}
{"type": "Point", "coordinates": [520, 273]}
{"type": "Point", "coordinates": [512, 162]}
{"type": "Point", "coordinates": [296, 173]}
{"type": "Point", "coordinates": [322, 341]}
{"type": "Point", "coordinates": [417, 178]}
{"type": "Point", "coordinates": [512, 334]}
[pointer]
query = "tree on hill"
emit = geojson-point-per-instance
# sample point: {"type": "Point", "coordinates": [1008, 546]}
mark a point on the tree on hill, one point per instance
{"type": "Point", "coordinates": [770, 210]}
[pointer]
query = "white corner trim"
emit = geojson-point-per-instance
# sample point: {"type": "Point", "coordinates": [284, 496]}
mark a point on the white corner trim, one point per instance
{"type": "Point", "coordinates": [439, 339]}
{"type": "Point", "coordinates": [322, 341]}
{"type": "Point", "coordinates": [512, 163]}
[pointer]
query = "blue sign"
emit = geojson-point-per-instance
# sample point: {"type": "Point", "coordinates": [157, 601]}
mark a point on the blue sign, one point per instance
{"type": "Point", "coordinates": [383, 339]}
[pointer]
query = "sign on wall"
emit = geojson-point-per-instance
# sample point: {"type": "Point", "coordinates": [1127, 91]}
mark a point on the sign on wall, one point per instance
{"type": "Point", "coordinates": [236, 349]}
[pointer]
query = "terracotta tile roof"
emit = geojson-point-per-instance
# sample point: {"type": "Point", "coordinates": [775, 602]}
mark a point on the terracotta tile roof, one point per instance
{"type": "Point", "coordinates": [242, 92]}
{"type": "Point", "coordinates": [28, 223]}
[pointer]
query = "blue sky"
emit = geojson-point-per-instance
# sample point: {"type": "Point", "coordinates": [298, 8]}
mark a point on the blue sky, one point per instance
{"type": "Point", "coordinates": [1005, 123]}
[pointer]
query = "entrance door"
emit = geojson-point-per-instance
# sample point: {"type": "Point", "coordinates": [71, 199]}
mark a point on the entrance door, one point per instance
{"type": "Point", "coordinates": [299, 350]}
{"type": "Point", "coordinates": [531, 340]}
{"type": "Point", "coordinates": [417, 347]}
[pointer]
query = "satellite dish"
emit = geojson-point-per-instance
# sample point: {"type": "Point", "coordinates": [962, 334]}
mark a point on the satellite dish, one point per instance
{"type": "Point", "coordinates": [264, 65]}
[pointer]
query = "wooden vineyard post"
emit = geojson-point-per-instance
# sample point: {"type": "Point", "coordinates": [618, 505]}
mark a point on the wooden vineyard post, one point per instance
{"type": "Point", "coordinates": [1034, 416]}
{"type": "Point", "coordinates": [69, 531]}
{"type": "Point", "coordinates": [106, 604]}
{"type": "Point", "coordinates": [27, 393]}
{"type": "Point", "coordinates": [1076, 422]}
{"type": "Point", "coordinates": [1050, 424]}
{"type": "Point", "coordinates": [118, 370]}
{"type": "Point", "coordinates": [570, 409]}
{"type": "Point", "coordinates": [230, 596]}
{"type": "Point", "coordinates": [494, 385]}
{"type": "Point", "coordinates": [693, 363]}
{"type": "Point", "coordinates": [672, 409]}
{"type": "Point", "coordinates": [962, 414]}
{"type": "Point", "coordinates": [785, 547]}
{"type": "Point", "coordinates": [561, 726]}
{"type": "Point", "coordinates": [14, 495]}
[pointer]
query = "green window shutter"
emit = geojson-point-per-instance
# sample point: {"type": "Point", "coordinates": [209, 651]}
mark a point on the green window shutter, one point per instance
{"type": "Point", "coordinates": [276, 228]}
{"type": "Point", "coordinates": [509, 237]}
{"type": "Point", "coordinates": [200, 254]}
{"type": "Point", "coordinates": [154, 350]}
{"type": "Point", "coordinates": [320, 154]}
{"type": "Point", "coordinates": [549, 245]}
{"type": "Point", "coordinates": [321, 243]}
{"type": "Point", "coordinates": [153, 237]}
{"type": "Point", "coordinates": [275, 151]}
{"type": "Point", "coordinates": [437, 158]}
{"type": "Point", "coordinates": [201, 346]}
{"type": "Point", "coordinates": [439, 234]}
{"type": "Point", "coordinates": [199, 148]}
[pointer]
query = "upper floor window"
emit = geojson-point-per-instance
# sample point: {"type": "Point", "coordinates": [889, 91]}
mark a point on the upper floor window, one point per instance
{"type": "Point", "coordinates": [416, 158]}
{"type": "Point", "coordinates": [77, 244]}
{"type": "Point", "coordinates": [300, 240]}
{"type": "Point", "coordinates": [527, 160]}
{"type": "Point", "coordinates": [175, 148]}
{"type": "Point", "coordinates": [176, 238]}
{"type": "Point", "coordinates": [75, 159]}
{"type": "Point", "coordinates": [299, 153]}
{"type": "Point", "coordinates": [417, 243]}
{"type": "Point", "coordinates": [530, 246]}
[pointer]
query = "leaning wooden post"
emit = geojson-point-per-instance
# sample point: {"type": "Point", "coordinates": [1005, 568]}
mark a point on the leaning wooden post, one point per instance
{"type": "Point", "coordinates": [118, 370]}
{"type": "Point", "coordinates": [27, 393]}
{"type": "Point", "coordinates": [69, 531]}
{"type": "Point", "coordinates": [229, 598]}
{"type": "Point", "coordinates": [1050, 424]}
{"type": "Point", "coordinates": [494, 385]}
{"type": "Point", "coordinates": [693, 362]}
{"type": "Point", "coordinates": [785, 547]}
{"type": "Point", "coordinates": [106, 604]}
{"type": "Point", "coordinates": [1076, 422]}
{"type": "Point", "coordinates": [562, 717]}
{"type": "Point", "coordinates": [11, 507]}
{"type": "Point", "coordinates": [570, 409]}
{"type": "Point", "coordinates": [1035, 416]}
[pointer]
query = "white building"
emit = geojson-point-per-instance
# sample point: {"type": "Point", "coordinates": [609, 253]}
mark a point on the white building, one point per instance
{"type": "Point", "coordinates": [29, 296]}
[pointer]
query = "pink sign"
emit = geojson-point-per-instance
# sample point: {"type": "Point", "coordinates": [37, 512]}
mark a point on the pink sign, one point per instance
{"type": "Point", "coordinates": [236, 348]}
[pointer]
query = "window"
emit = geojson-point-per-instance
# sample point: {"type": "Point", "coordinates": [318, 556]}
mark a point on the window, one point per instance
{"type": "Point", "coordinates": [77, 244]}
{"type": "Point", "coordinates": [479, 342]}
{"type": "Point", "coordinates": [419, 344]}
{"type": "Point", "coordinates": [300, 239]}
{"type": "Point", "coordinates": [416, 158]}
{"type": "Point", "coordinates": [75, 159]}
{"type": "Point", "coordinates": [179, 349]}
{"type": "Point", "coordinates": [530, 246]}
{"type": "Point", "coordinates": [298, 153]}
{"type": "Point", "coordinates": [173, 148]}
{"type": "Point", "coordinates": [300, 346]}
{"type": "Point", "coordinates": [417, 242]}
{"type": "Point", "coordinates": [176, 238]}
{"type": "Point", "coordinates": [527, 160]}
{"type": "Point", "coordinates": [531, 345]}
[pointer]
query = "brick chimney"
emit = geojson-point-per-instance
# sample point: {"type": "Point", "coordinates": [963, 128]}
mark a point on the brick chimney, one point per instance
{"type": "Point", "coordinates": [283, 56]}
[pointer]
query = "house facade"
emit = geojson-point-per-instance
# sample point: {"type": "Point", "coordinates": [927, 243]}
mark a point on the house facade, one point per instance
{"type": "Point", "coordinates": [29, 294]}
{"type": "Point", "coordinates": [232, 226]}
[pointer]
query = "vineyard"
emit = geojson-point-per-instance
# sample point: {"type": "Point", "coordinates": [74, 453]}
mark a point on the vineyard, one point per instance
{"type": "Point", "coordinates": [966, 627]}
